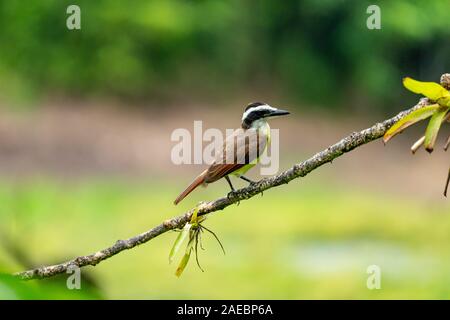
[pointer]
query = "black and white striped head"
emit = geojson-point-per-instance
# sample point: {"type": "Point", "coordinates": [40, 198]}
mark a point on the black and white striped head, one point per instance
{"type": "Point", "coordinates": [259, 110]}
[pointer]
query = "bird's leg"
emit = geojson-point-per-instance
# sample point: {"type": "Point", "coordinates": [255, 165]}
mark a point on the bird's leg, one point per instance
{"type": "Point", "coordinates": [251, 182]}
{"type": "Point", "coordinates": [247, 179]}
{"type": "Point", "coordinates": [232, 189]}
{"type": "Point", "coordinates": [229, 182]}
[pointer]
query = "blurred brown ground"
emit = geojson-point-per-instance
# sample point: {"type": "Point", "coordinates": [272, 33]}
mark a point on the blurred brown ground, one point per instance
{"type": "Point", "coordinates": [90, 139]}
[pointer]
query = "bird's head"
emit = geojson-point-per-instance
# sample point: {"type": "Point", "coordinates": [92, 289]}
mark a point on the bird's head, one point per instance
{"type": "Point", "coordinates": [259, 110]}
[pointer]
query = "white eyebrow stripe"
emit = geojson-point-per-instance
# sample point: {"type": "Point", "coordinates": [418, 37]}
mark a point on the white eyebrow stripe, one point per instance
{"type": "Point", "coordinates": [258, 108]}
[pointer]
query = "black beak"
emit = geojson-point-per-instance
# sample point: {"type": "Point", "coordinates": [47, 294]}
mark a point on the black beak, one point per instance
{"type": "Point", "coordinates": [278, 112]}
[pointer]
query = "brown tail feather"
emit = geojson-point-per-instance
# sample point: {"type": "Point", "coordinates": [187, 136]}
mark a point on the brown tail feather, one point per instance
{"type": "Point", "coordinates": [198, 181]}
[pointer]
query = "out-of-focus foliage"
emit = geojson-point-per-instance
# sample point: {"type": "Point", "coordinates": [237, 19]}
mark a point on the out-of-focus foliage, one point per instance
{"type": "Point", "coordinates": [13, 289]}
{"type": "Point", "coordinates": [302, 241]}
{"type": "Point", "coordinates": [177, 48]}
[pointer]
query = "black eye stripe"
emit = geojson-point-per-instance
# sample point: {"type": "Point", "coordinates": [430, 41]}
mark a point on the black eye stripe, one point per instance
{"type": "Point", "coordinates": [255, 115]}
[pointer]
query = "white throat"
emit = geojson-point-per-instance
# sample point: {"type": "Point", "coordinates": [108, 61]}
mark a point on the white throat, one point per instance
{"type": "Point", "coordinates": [259, 124]}
{"type": "Point", "coordinates": [262, 126]}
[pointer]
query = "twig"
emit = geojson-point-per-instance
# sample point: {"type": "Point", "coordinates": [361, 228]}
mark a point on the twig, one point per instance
{"type": "Point", "coordinates": [354, 140]}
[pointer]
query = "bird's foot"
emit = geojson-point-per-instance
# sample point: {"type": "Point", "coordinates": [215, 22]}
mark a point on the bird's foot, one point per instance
{"type": "Point", "coordinates": [252, 183]}
{"type": "Point", "coordinates": [233, 195]}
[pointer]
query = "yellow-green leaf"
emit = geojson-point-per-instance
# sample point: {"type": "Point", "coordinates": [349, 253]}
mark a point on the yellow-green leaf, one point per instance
{"type": "Point", "coordinates": [410, 119]}
{"type": "Point", "coordinates": [187, 255]}
{"type": "Point", "coordinates": [433, 128]}
{"type": "Point", "coordinates": [431, 90]}
{"type": "Point", "coordinates": [444, 101]}
{"type": "Point", "coordinates": [179, 241]}
{"type": "Point", "coordinates": [194, 216]}
{"type": "Point", "coordinates": [183, 263]}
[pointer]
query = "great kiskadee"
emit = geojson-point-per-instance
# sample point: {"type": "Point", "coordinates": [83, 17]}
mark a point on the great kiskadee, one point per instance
{"type": "Point", "coordinates": [241, 150]}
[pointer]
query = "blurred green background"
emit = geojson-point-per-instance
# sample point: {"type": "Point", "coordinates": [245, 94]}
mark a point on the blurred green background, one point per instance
{"type": "Point", "coordinates": [213, 49]}
{"type": "Point", "coordinates": [85, 123]}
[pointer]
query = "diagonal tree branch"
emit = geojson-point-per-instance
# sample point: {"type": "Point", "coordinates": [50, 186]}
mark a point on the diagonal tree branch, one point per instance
{"type": "Point", "coordinates": [354, 140]}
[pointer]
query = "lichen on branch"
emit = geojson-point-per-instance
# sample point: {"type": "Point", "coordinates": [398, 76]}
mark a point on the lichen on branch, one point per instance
{"type": "Point", "coordinates": [345, 145]}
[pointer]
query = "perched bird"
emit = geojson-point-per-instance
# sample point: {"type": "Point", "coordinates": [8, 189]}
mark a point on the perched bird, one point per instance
{"type": "Point", "coordinates": [241, 149]}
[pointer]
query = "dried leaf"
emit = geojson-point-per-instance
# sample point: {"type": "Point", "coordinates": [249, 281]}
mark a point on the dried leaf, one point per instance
{"type": "Point", "coordinates": [410, 119]}
{"type": "Point", "coordinates": [447, 143]}
{"type": "Point", "coordinates": [447, 183]}
{"type": "Point", "coordinates": [417, 144]}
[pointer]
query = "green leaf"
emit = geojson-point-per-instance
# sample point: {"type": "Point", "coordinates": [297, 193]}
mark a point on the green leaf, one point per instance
{"type": "Point", "coordinates": [431, 90]}
{"type": "Point", "coordinates": [433, 128]}
{"type": "Point", "coordinates": [183, 263]}
{"type": "Point", "coordinates": [187, 255]}
{"type": "Point", "coordinates": [445, 101]}
{"type": "Point", "coordinates": [194, 219]}
{"type": "Point", "coordinates": [179, 241]}
{"type": "Point", "coordinates": [409, 120]}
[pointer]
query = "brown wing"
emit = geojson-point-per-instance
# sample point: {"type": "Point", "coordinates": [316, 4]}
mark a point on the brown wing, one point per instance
{"type": "Point", "coordinates": [241, 147]}
{"type": "Point", "coordinates": [217, 171]}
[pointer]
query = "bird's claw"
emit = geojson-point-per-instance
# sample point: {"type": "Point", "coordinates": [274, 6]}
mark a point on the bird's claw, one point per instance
{"type": "Point", "coordinates": [253, 183]}
{"type": "Point", "coordinates": [232, 195]}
